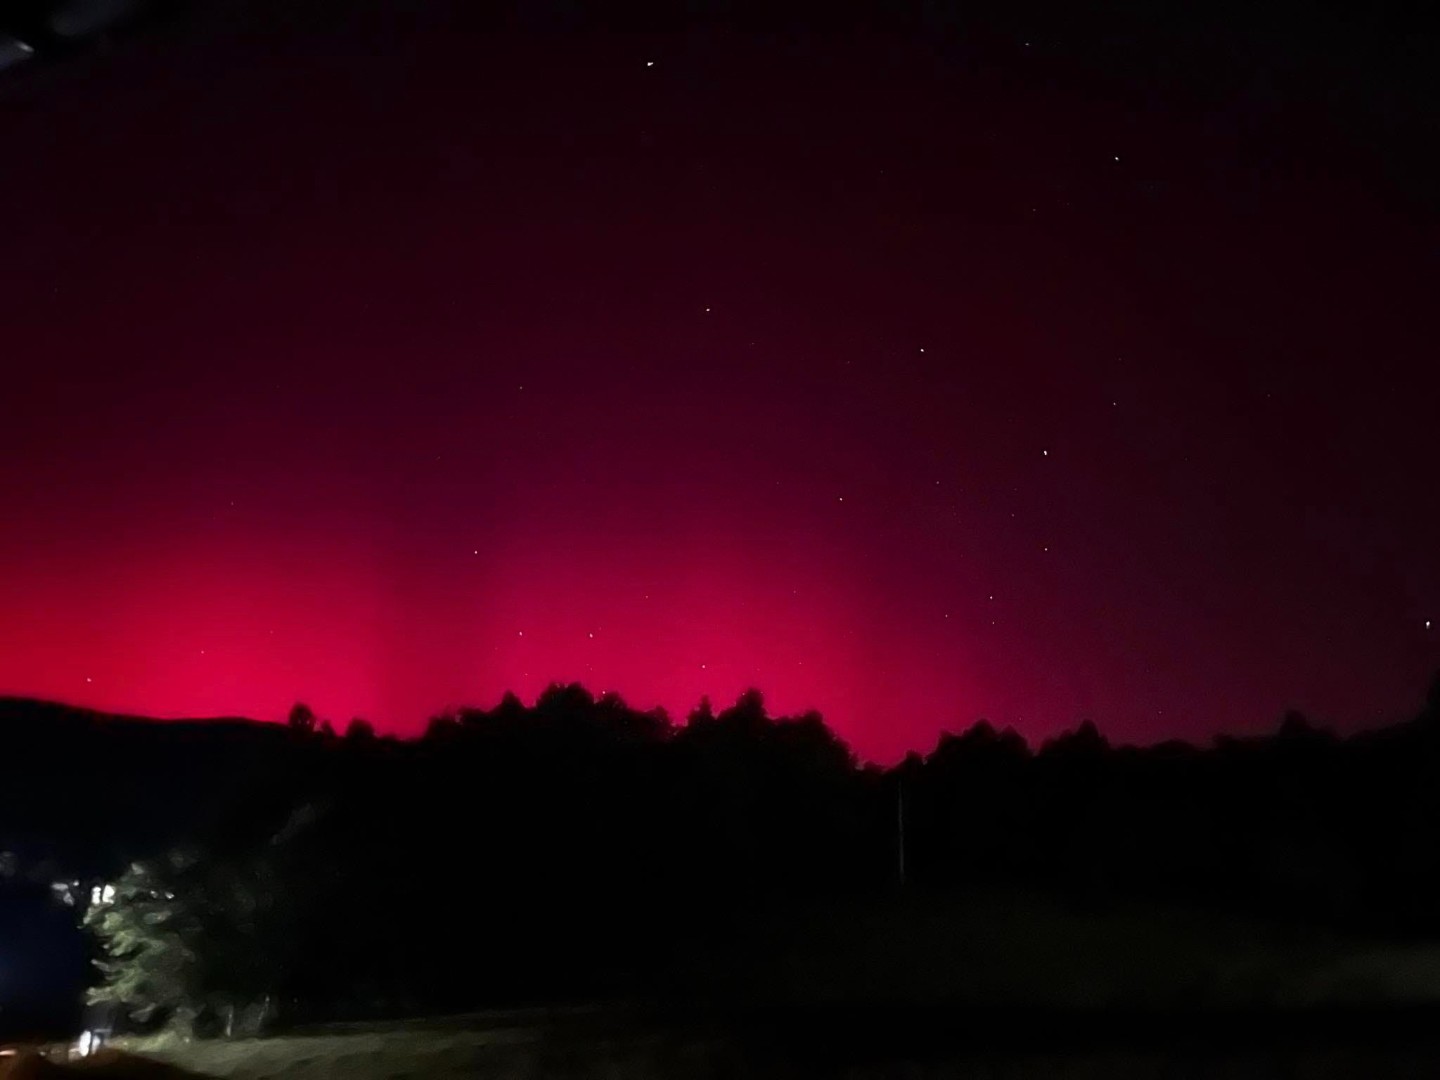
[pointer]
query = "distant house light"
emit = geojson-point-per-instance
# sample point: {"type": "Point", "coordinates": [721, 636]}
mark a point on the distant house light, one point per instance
{"type": "Point", "coordinates": [14, 51]}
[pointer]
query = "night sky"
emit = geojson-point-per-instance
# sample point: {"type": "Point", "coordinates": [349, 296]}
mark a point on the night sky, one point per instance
{"type": "Point", "coordinates": [1031, 367]}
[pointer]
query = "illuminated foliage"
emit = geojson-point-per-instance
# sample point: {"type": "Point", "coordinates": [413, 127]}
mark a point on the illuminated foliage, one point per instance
{"type": "Point", "coordinates": [189, 937]}
{"type": "Point", "coordinates": [150, 939]}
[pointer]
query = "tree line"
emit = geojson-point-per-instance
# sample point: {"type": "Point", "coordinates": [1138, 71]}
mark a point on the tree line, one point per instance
{"type": "Point", "coordinates": [580, 848]}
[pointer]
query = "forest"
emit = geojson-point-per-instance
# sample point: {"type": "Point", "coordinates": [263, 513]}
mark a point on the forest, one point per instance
{"type": "Point", "coordinates": [235, 875]}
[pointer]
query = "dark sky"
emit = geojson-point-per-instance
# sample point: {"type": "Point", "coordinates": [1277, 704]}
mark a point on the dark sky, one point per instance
{"type": "Point", "coordinates": [914, 368]}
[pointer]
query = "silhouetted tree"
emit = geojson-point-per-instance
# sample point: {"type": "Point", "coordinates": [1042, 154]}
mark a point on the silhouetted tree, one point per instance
{"type": "Point", "coordinates": [1432, 700]}
{"type": "Point", "coordinates": [702, 714]}
{"type": "Point", "coordinates": [301, 719]}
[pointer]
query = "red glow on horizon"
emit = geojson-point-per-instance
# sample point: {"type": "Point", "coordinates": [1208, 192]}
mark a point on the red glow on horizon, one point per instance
{"type": "Point", "coordinates": [864, 378]}
{"type": "Point", "coordinates": [185, 636]}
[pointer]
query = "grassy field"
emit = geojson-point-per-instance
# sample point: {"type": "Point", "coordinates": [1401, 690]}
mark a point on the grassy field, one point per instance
{"type": "Point", "coordinates": [671, 1055]}
{"type": "Point", "coordinates": [1020, 949]}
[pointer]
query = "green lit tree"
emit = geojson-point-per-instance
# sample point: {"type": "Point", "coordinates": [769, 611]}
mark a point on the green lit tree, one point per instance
{"type": "Point", "coordinates": [151, 946]}
{"type": "Point", "coordinates": [188, 937]}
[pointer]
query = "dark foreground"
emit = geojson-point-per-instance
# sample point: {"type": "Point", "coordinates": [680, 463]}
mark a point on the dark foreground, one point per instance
{"type": "Point", "coordinates": [856, 1043]}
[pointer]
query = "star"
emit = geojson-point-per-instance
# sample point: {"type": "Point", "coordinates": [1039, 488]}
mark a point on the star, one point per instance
{"type": "Point", "coordinates": [649, 63]}
{"type": "Point", "coordinates": [1044, 453]}
{"type": "Point", "coordinates": [88, 679]}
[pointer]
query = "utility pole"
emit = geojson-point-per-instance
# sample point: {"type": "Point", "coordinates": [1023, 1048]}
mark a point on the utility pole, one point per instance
{"type": "Point", "coordinates": [900, 829]}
